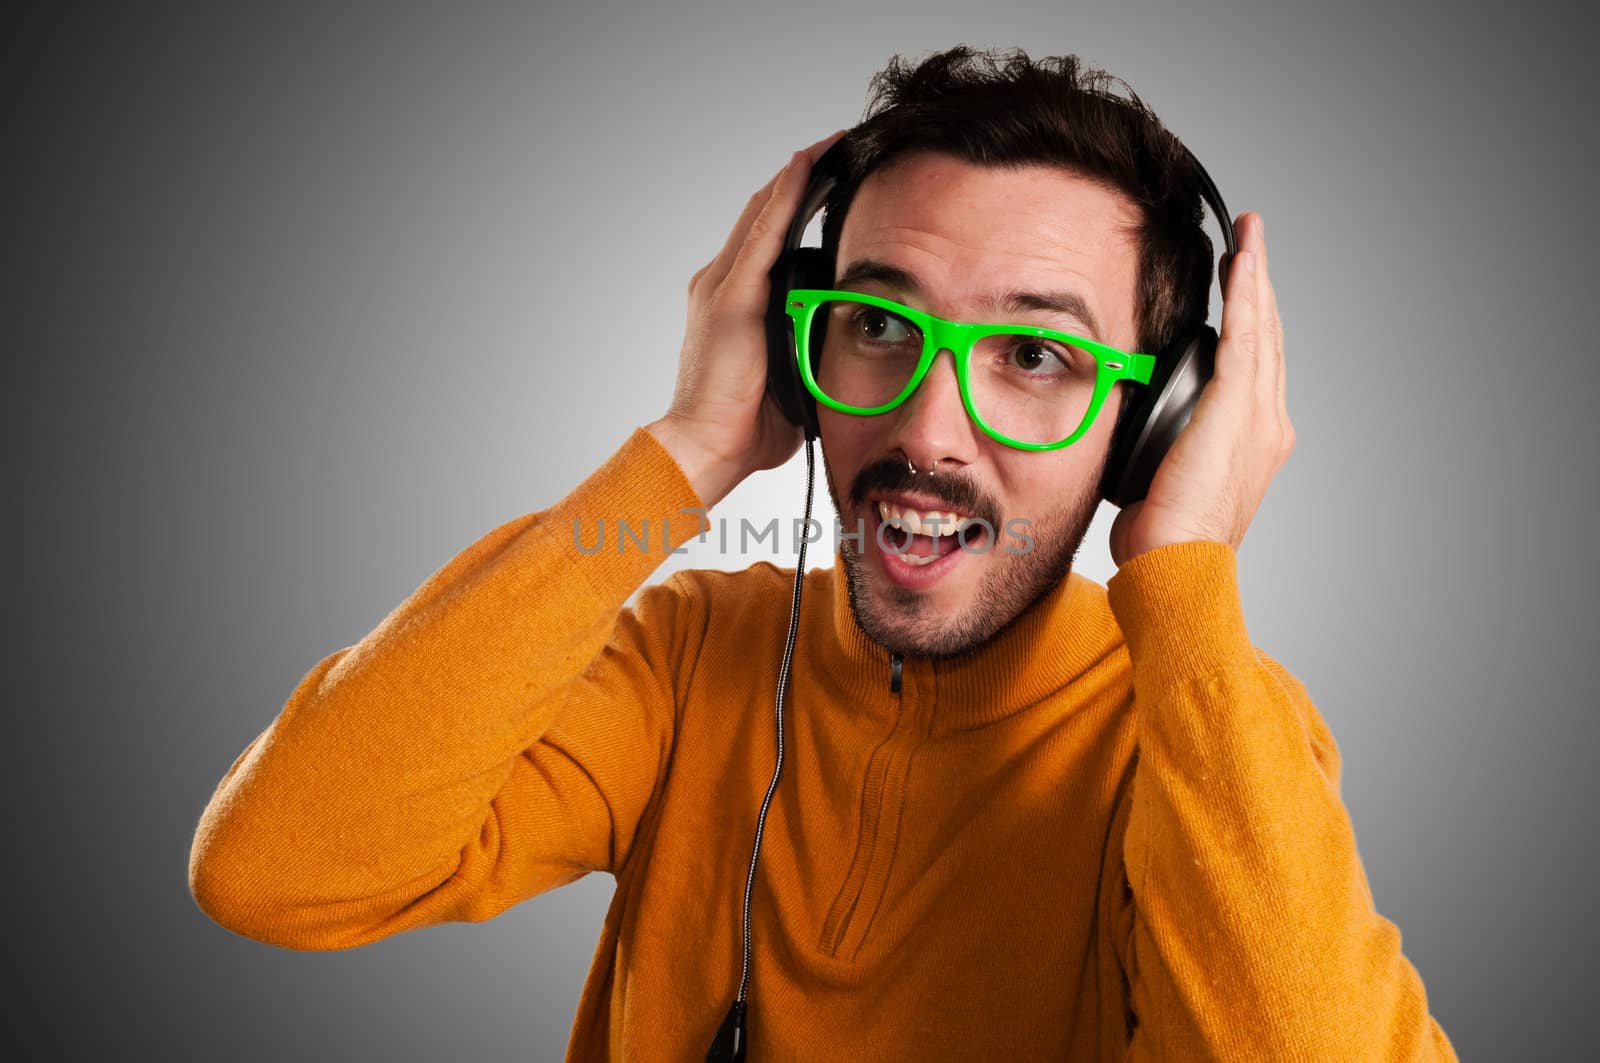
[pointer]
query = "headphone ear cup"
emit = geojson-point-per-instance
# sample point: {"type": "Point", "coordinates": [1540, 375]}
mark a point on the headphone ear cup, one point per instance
{"type": "Point", "coordinates": [1156, 414]}
{"type": "Point", "coordinates": [801, 267]}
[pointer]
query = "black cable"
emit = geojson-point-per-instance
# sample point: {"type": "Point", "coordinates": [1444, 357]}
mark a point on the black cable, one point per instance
{"type": "Point", "coordinates": [729, 1044]}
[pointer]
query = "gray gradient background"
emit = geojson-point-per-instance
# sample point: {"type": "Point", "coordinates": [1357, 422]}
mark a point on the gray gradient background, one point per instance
{"type": "Point", "coordinates": [307, 302]}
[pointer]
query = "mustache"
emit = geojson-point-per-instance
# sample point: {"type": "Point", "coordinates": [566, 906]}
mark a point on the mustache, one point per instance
{"type": "Point", "coordinates": [955, 491]}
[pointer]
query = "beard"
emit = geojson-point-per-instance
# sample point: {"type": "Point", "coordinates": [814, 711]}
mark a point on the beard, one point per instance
{"type": "Point", "coordinates": [899, 619]}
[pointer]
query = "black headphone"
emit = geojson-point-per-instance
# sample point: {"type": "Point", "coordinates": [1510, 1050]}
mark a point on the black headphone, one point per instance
{"type": "Point", "coordinates": [1154, 415]}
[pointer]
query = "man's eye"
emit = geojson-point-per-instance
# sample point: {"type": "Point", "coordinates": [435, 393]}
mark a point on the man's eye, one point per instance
{"type": "Point", "coordinates": [880, 326]}
{"type": "Point", "coordinates": [1036, 356]}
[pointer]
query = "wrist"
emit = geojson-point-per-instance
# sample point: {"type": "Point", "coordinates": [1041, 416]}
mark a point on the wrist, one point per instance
{"type": "Point", "coordinates": [711, 473]}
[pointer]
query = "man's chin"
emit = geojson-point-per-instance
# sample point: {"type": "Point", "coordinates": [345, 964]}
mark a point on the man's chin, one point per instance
{"type": "Point", "coordinates": [956, 604]}
{"type": "Point", "coordinates": [969, 605]}
{"type": "Point", "coordinates": [948, 618]}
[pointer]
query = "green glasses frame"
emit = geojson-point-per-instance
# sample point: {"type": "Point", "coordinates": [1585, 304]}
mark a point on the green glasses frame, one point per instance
{"type": "Point", "coordinates": [959, 338]}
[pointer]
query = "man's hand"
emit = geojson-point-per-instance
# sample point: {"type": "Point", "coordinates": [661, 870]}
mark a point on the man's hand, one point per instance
{"type": "Point", "coordinates": [721, 427]}
{"type": "Point", "coordinates": [1211, 482]}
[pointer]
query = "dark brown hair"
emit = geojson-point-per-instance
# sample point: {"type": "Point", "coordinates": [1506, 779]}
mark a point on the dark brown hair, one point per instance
{"type": "Point", "coordinates": [1001, 108]}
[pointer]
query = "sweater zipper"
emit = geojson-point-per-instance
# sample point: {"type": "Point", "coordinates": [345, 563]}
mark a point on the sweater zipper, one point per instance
{"type": "Point", "coordinates": [883, 791]}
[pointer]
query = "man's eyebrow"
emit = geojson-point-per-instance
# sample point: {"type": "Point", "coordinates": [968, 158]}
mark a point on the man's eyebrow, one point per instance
{"type": "Point", "coordinates": [867, 269]}
{"type": "Point", "coordinates": [1016, 302]}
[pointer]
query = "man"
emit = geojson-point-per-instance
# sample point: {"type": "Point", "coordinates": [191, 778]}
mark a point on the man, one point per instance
{"type": "Point", "coordinates": [1025, 817]}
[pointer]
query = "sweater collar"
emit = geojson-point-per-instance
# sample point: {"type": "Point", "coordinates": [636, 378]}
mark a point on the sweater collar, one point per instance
{"type": "Point", "coordinates": [1050, 644]}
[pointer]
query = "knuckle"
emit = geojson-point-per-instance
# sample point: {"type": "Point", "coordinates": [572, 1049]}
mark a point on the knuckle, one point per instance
{"type": "Point", "coordinates": [1243, 285]}
{"type": "Point", "coordinates": [759, 228]}
{"type": "Point", "coordinates": [727, 302]}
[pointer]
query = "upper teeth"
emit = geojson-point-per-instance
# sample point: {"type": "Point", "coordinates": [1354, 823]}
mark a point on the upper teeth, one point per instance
{"type": "Point", "coordinates": [922, 522]}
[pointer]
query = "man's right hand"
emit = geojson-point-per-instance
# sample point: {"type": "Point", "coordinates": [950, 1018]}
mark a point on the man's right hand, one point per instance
{"type": "Point", "coordinates": [721, 426]}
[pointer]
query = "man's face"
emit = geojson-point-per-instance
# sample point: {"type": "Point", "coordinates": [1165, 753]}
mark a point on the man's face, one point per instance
{"type": "Point", "coordinates": [962, 242]}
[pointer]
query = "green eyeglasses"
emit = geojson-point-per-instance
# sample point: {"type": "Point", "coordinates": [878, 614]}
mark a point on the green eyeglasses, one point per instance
{"type": "Point", "coordinates": [1030, 388]}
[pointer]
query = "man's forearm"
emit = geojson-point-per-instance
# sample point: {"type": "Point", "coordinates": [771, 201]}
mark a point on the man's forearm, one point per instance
{"type": "Point", "coordinates": [1252, 931]}
{"type": "Point", "coordinates": [361, 798]}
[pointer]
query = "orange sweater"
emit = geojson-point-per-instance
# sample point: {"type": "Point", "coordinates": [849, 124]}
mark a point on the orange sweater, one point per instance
{"type": "Point", "coordinates": [1114, 833]}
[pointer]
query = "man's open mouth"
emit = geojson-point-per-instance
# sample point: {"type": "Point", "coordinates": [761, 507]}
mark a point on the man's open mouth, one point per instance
{"type": "Point", "coordinates": [921, 535]}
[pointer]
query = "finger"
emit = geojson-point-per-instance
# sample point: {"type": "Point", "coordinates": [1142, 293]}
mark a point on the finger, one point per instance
{"type": "Point", "coordinates": [1270, 369]}
{"type": "Point", "coordinates": [1278, 343]}
{"type": "Point", "coordinates": [765, 238]}
{"type": "Point", "coordinates": [717, 269]}
{"type": "Point", "coordinates": [805, 159]}
{"type": "Point", "coordinates": [1239, 341]}
{"type": "Point", "coordinates": [1274, 394]}
{"type": "Point", "coordinates": [814, 152]}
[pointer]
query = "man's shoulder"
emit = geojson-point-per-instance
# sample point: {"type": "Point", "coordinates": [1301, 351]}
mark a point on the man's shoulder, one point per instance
{"type": "Point", "coordinates": [759, 578]}
{"type": "Point", "coordinates": [728, 594]}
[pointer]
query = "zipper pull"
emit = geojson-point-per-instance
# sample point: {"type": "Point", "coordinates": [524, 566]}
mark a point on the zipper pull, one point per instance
{"type": "Point", "coordinates": [730, 1039]}
{"type": "Point", "coordinates": [894, 673]}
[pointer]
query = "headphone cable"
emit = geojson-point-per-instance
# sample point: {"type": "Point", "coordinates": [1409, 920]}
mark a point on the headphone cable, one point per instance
{"type": "Point", "coordinates": [729, 1044]}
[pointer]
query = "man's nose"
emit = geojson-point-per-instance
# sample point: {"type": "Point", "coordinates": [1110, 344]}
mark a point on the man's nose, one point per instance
{"type": "Point", "coordinates": [932, 424]}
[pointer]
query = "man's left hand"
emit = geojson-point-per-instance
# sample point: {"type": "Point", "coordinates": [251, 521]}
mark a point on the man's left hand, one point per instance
{"type": "Point", "coordinates": [1212, 480]}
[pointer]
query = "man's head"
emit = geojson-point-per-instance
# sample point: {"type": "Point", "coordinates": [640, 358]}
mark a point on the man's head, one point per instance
{"type": "Point", "coordinates": [994, 188]}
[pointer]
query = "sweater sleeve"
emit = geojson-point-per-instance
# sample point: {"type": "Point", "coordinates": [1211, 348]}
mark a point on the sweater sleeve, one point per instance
{"type": "Point", "coordinates": [500, 733]}
{"type": "Point", "coordinates": [1248, 926]}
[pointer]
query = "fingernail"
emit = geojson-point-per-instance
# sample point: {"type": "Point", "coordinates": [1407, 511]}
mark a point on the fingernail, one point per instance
{"type": "Point", "coordinates": [1261, 226]}
{"type": "Point", "coordinates": [1249, 260]}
